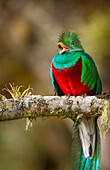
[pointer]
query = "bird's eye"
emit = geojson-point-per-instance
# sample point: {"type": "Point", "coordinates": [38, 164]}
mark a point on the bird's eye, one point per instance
{"type": "Point", "coordinates": [72, 43]}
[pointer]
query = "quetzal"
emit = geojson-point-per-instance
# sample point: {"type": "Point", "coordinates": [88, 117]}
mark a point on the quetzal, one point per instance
{"type": "Point", "coordinates": [73, 72]}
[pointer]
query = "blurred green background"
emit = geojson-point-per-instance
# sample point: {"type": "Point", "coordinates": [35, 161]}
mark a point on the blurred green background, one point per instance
{"type": "Point", "coordinates": [29, 31]}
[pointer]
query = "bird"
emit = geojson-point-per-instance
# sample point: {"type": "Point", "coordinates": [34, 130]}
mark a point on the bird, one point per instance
{"type": "Point", "coordinates": [73, 72]}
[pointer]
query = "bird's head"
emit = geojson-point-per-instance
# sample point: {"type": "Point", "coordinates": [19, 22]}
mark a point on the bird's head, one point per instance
{"type": "Point", "coordinates": [69, 40]}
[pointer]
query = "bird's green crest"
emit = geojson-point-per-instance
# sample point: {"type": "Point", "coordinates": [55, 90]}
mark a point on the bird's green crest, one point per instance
{"type": "Point", "coordinates": [70, 39]}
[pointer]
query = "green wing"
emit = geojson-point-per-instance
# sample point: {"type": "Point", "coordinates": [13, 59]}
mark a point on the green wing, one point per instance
{"type": "Point", "coordinates": [90, 74]}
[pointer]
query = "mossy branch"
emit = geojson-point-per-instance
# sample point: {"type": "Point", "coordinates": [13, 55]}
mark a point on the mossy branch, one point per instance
{"type": "Point", "coordinates": [72, 107]}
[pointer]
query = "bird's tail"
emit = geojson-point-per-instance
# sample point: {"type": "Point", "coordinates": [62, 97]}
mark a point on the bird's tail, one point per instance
{"type": "Point", "coordinates": [86, 146]}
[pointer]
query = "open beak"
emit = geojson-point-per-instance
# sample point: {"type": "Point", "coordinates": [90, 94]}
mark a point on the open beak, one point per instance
{"type": "Point", "coordinates": [63, 47]}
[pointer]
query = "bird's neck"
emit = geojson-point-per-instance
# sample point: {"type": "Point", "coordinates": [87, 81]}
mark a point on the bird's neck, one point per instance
{"type": "Point", "coordinates": [75, 50]}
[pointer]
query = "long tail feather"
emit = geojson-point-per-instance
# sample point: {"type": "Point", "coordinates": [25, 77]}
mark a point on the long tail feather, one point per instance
{"type": "Point", "coordinates": [78, 159]}
{"type": "Point", "coordinates": [95, 162]}
{"type": "Point", "coordinates": [77, 156]}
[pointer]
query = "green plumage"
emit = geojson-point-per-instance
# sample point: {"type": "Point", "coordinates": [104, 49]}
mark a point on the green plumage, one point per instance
{"type": "Point", "coordinates": [78, 160]}
{"type": "Point", "coordinates": [89, 73]}
{"type": "Point", "coordinates": [73, 71]}
{"type": "Point", "coordinates": [70, 36]}
{"type": "Point", "coordinates": [95, 163]}
{"type": "Point", "coordinates": [76, 151]}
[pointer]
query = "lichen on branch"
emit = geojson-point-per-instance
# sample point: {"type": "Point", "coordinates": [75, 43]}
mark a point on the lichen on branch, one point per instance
{"type": "Point", "coordinates": [72, 107]}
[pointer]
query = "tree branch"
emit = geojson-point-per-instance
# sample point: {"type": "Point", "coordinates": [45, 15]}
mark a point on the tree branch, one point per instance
{"type": "Point", "coordinates": [72, 107]}
{"type": "Point", "coordinates": [65, 106]}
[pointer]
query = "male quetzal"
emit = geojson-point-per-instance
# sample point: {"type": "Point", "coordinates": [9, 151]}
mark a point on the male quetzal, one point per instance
{"type": "Point", "coordinates": [73, 72]}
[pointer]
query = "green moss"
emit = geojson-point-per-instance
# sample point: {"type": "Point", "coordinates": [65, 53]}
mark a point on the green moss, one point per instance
{"type": "Point", "coordinates": [105, 117]}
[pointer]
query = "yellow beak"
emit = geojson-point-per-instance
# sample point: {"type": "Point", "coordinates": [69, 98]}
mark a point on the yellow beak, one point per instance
{"type": "Point", "coordinates": [64, 47]}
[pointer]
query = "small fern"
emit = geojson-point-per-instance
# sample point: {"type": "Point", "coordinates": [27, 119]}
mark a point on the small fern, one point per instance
{"type": "Point", "coordinates": [15, 91]}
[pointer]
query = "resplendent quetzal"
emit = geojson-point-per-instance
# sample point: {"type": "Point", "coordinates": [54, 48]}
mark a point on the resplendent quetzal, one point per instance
{"type": "Point", "coordinates": [73, 72]}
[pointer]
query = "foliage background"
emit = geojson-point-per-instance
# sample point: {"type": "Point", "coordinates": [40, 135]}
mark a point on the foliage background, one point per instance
{"type": "Point", "coordinates": [29, 32]}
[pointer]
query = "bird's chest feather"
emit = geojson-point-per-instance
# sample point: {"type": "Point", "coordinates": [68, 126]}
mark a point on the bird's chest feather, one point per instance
{"type": "Point", "coordinates": [69, 79]}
